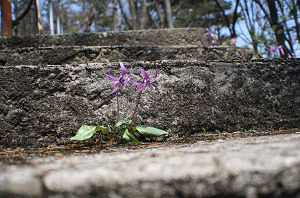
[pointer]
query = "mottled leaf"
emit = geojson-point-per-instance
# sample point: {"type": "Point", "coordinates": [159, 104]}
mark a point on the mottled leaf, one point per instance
{"type": "Point", "coordinates": [84, 132]}
{"type": "Point", "coordinates": [150, 131]}
{"type": "Point", "coordinates": [128, 136]}
{"type": "Point", "coordinates": [125, 122]}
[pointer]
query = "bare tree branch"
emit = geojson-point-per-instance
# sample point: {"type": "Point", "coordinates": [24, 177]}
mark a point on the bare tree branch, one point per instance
{"type": "Point", "coordinates": [143, 14]}
{"type": "Point", "coordinates": [151, 17]}
{"type": "Point", "coordinates": [235, 17]}
{"type": "Point", "coordinates": [264, 10]}
{"type": "Point", "coordinates": [288, 38]}
{"type": "Point", "coordinates": [132, 8]}
{"type": "Point", "coordinates": [295, 16]}
{"type": "Point", "coordinates": [160, 15]}
{"type": "Point", "coordinates": [115, 16]}
{"type": "Point", "coordinates": [23, 14]}
{"type": "Point", "coordinates": [124, 15]}
{"type": "Point", "coordinates": [230, 26]}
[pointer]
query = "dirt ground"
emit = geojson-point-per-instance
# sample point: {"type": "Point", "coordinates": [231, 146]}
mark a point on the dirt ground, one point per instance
{"type": "Point", "coordinates": [21, 155]}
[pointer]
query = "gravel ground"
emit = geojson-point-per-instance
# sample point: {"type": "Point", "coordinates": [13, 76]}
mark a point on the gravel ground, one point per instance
{"type": "Point", "coordinates": [231, 166]}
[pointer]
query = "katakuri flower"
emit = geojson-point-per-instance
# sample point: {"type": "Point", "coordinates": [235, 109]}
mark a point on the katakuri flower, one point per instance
{"type": "Point", "coordinates": [233, 41]}
{"type": "Point", "coordinates": [147, 80]}
{"type": "Point", "coordinates": [281, 49]}
{"type": "Point", "coordinates": [272, 49]}
{"type": "Point", "coordinates": [210, 33]}
{"type": "Point", "coordinates": [213, 42]}
{"type": "Point", "coordinates": [120, 81]}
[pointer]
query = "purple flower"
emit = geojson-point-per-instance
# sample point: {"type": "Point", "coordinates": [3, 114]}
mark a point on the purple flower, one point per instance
{"type": "Point", "coordinates": [213, 42]}
{"type": "Point", "coordinates": [147, 80]}
{"type": "Point", "coordinates": [272, 49]}
{"type": "Point", "coordinates": [281, 49]}
{"type": "Point", "coordinates": [233, 41]}
{"type": "Point", "coordinates": [120, 81]}
{"type": "Point", "coordinates": [209, 33]}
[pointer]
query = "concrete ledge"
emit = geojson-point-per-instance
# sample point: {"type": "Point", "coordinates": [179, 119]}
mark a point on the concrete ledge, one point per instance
{"type": "Point", "coordinates": [250, 167]}
{"type": "Point", "coordinates": [104, 54]}
{"type": "Point", "coordinates": [47, 104]}
{"type": "Point", "coordinates": [159, 37]}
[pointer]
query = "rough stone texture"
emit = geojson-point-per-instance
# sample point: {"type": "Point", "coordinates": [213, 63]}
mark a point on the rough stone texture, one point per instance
{"type": "Point", "coordinates": [96, 54]}
{"type": "Point", "coordinates": [251, 167]}
{"type": "Point", "coordinates": [47, 104]}
{"type": "Point", "coordinates": [218, 88]}
{"type": "Point", "coordinates": [160, 37]}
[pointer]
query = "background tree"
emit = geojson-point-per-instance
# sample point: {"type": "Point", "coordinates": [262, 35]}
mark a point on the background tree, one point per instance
{"type": "Point", "coordinates": [256, 29]}
{"type": "Point", "coordinates": [230, 19]}
{"type": "Point", "coordinates": [282, 18]}
{"type": "Point", "coordinates": [25, 20]}
{"type": "Point", "coordinates": [257, 23]}
{"type": "Point", "coordinates": [6, 18]}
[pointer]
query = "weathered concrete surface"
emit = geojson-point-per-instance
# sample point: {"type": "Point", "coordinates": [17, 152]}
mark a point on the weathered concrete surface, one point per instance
{"type": "Point", "coordinates": [250, 167]}
{"type": "Point", "coordinates": [44, 105]}
{"type": "Point", "coordinates": [159, 37]}
{"type": "Point", "coordinates": [103, 54]}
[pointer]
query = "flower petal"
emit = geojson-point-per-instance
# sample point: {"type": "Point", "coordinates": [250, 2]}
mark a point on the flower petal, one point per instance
{"type": "Point", "coordinates": [145, 75]}
{"type": "Point", "coordinates": [155, 76]}
{"type": "Point", "coordinates": [130, 73]}
{"type": "Point", "coordinates": [281, 49]}
{"type": "Point", "coordinates": [152, 87]}
{"type": "Point", "coordinates": [123, 69]}
{"type": "Point", "coordinates": [213, 42]}
{"type": "Point", "coordinates": [112, 78]}
{"type": "Point", "coordinates": [116, 89]}
{"type": "Point", "coordinates": [141, 89]}
{"type": "Point", "coordinates": [136, 83]}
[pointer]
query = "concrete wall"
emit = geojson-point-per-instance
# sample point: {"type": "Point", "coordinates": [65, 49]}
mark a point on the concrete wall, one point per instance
{"type": "Point", "coordinates": [159, 37]}
{"type": "Point", "coordinates": [40, 105]}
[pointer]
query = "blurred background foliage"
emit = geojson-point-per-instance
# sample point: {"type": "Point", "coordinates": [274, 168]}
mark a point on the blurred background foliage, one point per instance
{"type": "Point", "coordinates": [257, 24]}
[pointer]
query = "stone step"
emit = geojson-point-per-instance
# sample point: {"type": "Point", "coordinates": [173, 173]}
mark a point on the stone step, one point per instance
{"type": "Point", "coordinates": [103, 54]}
{"type": "Point", "coordinates": [249, 167]}
{"type": "Point", "coordinates": [40, 105]}
{"type": "Point", "coordinates": [158, 37]}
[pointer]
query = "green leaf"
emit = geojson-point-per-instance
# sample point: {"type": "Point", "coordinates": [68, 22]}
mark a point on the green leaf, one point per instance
{"type": "Point", "coordinates": [102, 128]}
{"type": "Point", "coordinates": [134, 129]}
{"type": "Point", "coordinates": [126, 122]}
{"type": "Point", "coordinates": [128, 136]}
{"type": "Point", "coordinates": [150, 131]}
{"type": "Point", "coordinates": [84, 132]}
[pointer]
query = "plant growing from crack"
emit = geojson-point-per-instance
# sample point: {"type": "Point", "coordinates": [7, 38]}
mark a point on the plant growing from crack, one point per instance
{"type": "Point", "coordinates": [124, 128]}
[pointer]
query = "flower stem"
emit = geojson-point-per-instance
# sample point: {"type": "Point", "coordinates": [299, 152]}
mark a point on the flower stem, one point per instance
{"type": "Point", "coordinates": [118, 107]}
{"type": "Point", "coordinates": [118, 116]}
{"type": "Point", "coordinates": [135, 110]}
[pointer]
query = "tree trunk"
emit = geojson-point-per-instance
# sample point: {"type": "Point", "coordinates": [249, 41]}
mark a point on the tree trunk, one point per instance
{"type": "Point", "coordinates": [90, 18]}
{"type": "Point", "coordinates": [160, 15]}
{"type": "Point", "coordinates": [143, 15]}
{"type": "Point", "coordinates": [51, 20]}
{"type": "Point", "coordinates": [168, 13]}
{"type": "Point", "coordinates": [295, 14]}
{"type": "Point", "coordinates": [38, 17]}
{"type": "Point", "coordinates": [6, 18]}
{"type": "Point", "coordinates": [278, 29]}
{"type": "Point", "coordinates": [132, 14]}
{"type": "Point", "coordinates": [116, 16]}
{"type": "Point", "coordinates": [126, 20]}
